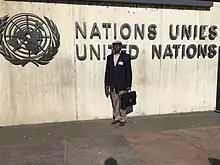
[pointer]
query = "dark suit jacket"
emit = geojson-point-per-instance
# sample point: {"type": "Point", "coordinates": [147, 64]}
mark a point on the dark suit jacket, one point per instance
{"type": "Point", "coordinates": [119, 76]}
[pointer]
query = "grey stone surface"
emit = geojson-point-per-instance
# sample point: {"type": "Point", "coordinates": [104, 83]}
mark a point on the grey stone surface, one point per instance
{"type": "Point", "coordinates": [97, 150]}
{"type": "Point", "coordinates": [92, 142]}
{"type": "Point", "coordinates": [48, 160]}
{"type": "Point", "coordinates": [30, 151]}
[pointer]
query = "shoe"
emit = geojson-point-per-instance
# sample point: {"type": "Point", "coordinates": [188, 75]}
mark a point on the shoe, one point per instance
{"type": "Point", "coordinates": [122, 124]}
{"type": "Point", "coordinates": [114, 122]}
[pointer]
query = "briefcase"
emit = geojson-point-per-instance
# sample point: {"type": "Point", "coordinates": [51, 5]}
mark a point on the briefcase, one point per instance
{"type": "Point", "coordinates": [128, 99]}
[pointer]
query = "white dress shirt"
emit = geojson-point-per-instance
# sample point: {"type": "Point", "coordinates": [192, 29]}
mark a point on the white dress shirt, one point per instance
{"type": "Point", "coordinates": [116, 57]}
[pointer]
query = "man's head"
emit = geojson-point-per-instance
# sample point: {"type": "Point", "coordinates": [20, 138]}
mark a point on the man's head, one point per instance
{"type": "Point", "coordinates": [111, 161]}
{"type": "Point", "coordinates": [116, 46]}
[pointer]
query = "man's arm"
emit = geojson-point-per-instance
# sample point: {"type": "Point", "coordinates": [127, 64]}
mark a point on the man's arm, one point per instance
{"type": "Point", "coordinates": [107, 73]}
{"type": "Point", "coordinates": [107, 76]}
{"type": "Point", "coordinates": [129, 72]}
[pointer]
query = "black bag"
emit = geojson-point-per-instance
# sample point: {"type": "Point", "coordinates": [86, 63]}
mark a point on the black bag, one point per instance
{"type": "Point", "coordinates": [129, 110]}
{"type": "Point", "coordinates": [128, 99]}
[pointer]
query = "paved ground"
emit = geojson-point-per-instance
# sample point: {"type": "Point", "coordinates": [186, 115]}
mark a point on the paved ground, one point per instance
{"type": "Point", "coordinates": [189, 139]}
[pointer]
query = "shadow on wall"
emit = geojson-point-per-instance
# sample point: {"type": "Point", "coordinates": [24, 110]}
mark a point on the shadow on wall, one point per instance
{"type": "Point", "coordinates": [111, 161]}
{"type": "Point", "coordinates": [214, 161]}
{"type": "Point", "coordinates": [119, 4]}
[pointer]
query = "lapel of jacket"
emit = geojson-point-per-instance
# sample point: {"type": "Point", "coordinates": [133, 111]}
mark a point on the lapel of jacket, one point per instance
{"type": "Point", "coordinates": [112, 60]}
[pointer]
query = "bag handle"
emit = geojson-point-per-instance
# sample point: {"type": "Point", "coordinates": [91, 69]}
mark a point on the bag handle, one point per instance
{"type": "Point", "coordinates": [129, 89]}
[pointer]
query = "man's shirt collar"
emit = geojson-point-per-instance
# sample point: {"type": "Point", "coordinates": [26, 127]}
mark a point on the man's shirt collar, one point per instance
{"type": "Point", "coordinates": [118, 53]}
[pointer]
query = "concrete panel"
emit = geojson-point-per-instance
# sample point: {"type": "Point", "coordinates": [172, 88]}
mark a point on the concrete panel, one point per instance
{"type": "Point", "coordinates": [44, 94]}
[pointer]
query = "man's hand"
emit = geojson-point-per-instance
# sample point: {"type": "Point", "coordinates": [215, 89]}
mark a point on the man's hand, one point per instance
{"type": "Point", "coordinates": [107, 91]}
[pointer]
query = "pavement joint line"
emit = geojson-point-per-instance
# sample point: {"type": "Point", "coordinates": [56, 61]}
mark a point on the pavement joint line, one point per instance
{"type": "Point", "coordinates": [32, 157]}
{"type": "Point", "coordinates": [187, 139]}
{"type": "Point", "coordinates": [28, 145]}
{"type": "Point", "coordinates": [215, 155]}
{"type": "Point", "coordinates": [65, 153]}
{"type": "Point", "coordinates": [177, 159]}
{"type": "Point", "coordinates": [133, 149]}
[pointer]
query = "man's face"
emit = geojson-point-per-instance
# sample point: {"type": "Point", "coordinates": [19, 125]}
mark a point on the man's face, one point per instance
{"type": "Point", "coordinates": [116, 48]}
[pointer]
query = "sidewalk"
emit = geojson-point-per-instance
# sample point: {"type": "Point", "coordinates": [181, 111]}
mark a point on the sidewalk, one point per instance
{"type": "Point", "coordinates": [189, 139]}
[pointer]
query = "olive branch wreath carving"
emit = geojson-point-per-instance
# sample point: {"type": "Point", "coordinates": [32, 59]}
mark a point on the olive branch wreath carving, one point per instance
{"type": "Point", "coordinates": [43, 60]}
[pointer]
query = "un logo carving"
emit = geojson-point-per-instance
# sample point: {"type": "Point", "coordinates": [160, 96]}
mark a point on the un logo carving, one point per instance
{"type": "Point", "coordinates": [27, 38]}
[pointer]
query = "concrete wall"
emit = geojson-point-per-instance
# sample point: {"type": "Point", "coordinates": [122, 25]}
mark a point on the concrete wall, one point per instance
{"type": "Point", "coordinates": [72, 89]}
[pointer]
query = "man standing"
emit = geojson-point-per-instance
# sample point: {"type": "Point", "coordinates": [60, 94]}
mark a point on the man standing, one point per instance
{"type": "Point", "coordinates": [118, 80]}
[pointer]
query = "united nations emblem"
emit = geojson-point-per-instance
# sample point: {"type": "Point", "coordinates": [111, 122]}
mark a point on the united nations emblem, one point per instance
{"type": "Point", "coordinates": [26, 38]}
